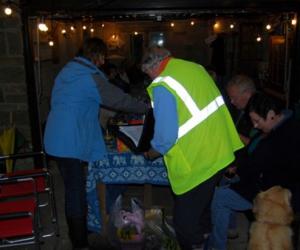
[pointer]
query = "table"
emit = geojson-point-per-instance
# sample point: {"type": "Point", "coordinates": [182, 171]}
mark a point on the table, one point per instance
{"type": "Point", "coordinates": [120, 168]}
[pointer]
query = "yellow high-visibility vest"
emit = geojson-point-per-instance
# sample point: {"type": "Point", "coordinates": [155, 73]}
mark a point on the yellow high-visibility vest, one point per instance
{"type": "Point", "coordinates": [207, 137]}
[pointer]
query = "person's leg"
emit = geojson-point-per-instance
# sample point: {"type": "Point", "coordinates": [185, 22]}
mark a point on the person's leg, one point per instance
{"type": "Point", "coordinates": [224, 202]}
{"type": "Point", "coordinates": [232, 227]}
{"type": "Point", "coordinates": [192, 214]}
{"type": "Point", "coordinates": [73, 174]}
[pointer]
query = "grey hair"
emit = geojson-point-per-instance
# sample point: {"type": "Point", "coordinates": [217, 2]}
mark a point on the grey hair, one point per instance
{"type": "Point", "coordinates": [243, 82]}
{"type": "Point", "coordinates": [153, 56]}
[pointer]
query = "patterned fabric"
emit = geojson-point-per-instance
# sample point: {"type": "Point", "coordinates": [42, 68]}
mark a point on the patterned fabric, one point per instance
{"type": "Point", "coordinates": [118, 168]}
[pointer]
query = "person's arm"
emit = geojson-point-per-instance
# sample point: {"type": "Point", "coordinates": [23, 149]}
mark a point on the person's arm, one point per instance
{"type": "Point", "coordinates": [114, 98]}
{"type": "Point", "coordinates": [166, 123]}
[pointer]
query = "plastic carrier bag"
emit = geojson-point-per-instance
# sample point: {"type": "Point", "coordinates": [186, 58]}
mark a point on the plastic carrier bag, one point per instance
{"type": "Point", "coordinates": [159, 232]}
{"type": "Point", "coordinates": [138, 229]}
{"type": "Point", "coordinates": [126, 226]}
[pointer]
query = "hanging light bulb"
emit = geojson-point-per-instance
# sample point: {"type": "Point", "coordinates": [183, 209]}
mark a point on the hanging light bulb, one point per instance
{"type": "Point", "coordinates": [8, 10]}
{"type": "Point", "coordinates": [231, 26]}
{"type": "Point", "coordinates": [72, 28]}
{"type": "Point", "coordinates": [92, 30]}
{"type": "Point", "coordinates": [42, 25]}
{"type": "Point", "coordinates": [102, 25]}
{"type": "Point", "coordinates": [172, 24]}
{"type": "Point", "coordinates": [217, 26]}
{"type": "Point", "coordinates": [294, 21]}
{"type": "Point", "coordinates": [268, 26]}
{"type": "Point", "coordinates": [136, 33]}
{"type": "Point", "coordinates": [192, 23]}
{"type": "Point", "coordinates": [258, 39]}
{"type": "Point", "coordinates": [51, 43]}
{"type": "Point", "coordinates": [63, 31]}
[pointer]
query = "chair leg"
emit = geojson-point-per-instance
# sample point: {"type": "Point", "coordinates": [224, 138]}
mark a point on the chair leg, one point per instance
{"type": "Point", "coordinates": [53, 204]}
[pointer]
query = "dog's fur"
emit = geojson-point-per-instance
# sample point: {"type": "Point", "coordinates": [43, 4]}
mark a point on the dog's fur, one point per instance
{"type": "Point", "coordinates": [273, 213]}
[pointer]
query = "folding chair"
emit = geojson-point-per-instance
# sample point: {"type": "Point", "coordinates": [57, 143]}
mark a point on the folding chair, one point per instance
{"type": "Point", "coordinates": [44, 185]}
{"type": "Point", "coordinates": [18, 215]}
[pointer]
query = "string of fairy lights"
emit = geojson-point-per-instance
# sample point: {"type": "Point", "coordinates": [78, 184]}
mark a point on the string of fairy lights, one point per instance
{"type": "Point", "coordinates": [43, 25]}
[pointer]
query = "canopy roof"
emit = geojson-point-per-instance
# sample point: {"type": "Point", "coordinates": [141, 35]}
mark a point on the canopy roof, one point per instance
{"type": "Point", "coordinates": [145, 9]}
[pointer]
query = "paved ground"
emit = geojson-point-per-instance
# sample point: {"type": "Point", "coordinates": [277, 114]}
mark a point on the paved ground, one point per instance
{"type": "Point", "coordinates": [161, 197]}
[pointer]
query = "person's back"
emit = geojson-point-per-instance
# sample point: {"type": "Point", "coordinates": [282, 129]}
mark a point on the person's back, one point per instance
{"type": "Point", "coordinates": [217, 142]}
{"type": "Point", "coordinates": [74, 105]}
{"type": "Point", "coordinates": [195, 134]}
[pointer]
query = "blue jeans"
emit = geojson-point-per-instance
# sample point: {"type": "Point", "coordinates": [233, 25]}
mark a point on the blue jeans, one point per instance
{"type": "Point", "coordinates": [226, 182]}
{"type": "Point", "coordinates": [225, 202]}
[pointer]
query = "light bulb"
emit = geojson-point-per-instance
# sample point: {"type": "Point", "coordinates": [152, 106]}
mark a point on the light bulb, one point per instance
{"type": "Point", "coordinates": [51, 43]}
{"type": "Point", "coordinates": [216, 25]}
{"type": "Point", "coordinates": [258, 39]}
{"type": "Point", "coordinates": [43, 27]}
{"type": "Point", "coordinates": [7, 11]}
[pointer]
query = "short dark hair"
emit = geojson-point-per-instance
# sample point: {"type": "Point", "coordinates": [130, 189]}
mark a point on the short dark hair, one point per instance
{"type": "Point", "coordinates": [261, 104]}
{"type": "Point", "coordinates": [93, 47]}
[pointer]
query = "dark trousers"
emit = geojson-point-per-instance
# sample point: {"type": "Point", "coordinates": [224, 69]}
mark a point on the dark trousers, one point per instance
{"type": "Point", "coordinates": [73, 173]}
{"type": "Point", "coordinates": [192, 213]}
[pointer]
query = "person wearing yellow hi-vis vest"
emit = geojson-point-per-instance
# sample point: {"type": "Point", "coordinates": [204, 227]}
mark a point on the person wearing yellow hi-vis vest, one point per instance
{"type": "Point", "coordinates": [195, 134]}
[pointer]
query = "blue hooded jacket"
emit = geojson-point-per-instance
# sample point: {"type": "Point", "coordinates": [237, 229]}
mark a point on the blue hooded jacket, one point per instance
{"type": "Point", "coordinates": [73, 128]}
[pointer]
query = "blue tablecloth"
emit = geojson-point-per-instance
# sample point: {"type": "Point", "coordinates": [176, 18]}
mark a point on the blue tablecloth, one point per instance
{"type": "Point", "coordinates": [120, 168]}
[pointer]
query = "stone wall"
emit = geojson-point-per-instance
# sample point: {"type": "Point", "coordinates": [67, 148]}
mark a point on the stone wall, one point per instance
{"type": "Point", "coordinates": [13, 94]}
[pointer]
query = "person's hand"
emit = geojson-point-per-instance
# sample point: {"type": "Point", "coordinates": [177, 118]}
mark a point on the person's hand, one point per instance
{"type": "Point", "coordinates": [230, 172]}
{"type": "Point", "coordinates": [151, 154]}
{"type": "Point", "coordinates": [244, 139]}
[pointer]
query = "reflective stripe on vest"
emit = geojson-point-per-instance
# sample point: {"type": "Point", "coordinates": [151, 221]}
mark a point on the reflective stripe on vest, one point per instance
{"type": "Point", "coordinates": [198, 115]}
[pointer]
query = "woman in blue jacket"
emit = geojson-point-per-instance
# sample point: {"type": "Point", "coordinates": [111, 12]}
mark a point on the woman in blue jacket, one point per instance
{"type": "Point", "coordinates": [73, 134]}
